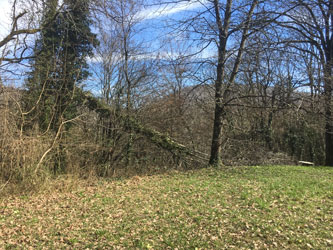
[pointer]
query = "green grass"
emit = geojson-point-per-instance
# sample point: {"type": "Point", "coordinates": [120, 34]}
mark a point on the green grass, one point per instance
{"type": "Point", "coordinates": [246, 207]}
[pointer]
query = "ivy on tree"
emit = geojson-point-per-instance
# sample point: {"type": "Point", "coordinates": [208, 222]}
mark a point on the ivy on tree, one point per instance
{"type": "Point", "coordinates": [60, 65]}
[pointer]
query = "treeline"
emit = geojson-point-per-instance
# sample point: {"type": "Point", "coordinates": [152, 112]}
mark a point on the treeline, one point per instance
{"type": "Point", "coordinates": [83, 91]}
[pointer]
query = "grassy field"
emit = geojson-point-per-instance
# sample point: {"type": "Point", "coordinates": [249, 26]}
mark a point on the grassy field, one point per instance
{"type": "Point", "coordinates": [246, 207]}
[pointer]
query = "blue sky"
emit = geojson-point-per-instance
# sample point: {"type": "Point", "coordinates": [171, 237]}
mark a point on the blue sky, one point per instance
{"type": "Point", "coordinates": [156, 12]}
{"type": "Point", "coordinates": [152, 18]}
{"type": "Point", "coordinates": [149, 13]}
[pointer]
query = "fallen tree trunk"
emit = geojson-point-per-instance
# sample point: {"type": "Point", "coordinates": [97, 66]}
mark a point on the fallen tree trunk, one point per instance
{"type": "Point", "coordinates": [161, 140]}
{"type": "Point", "coordinates": [306, 163]}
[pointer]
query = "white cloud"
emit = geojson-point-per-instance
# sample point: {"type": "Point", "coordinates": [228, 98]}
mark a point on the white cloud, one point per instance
{"type": "Point", "coordinates": [170, 9]}
{"type": "Point", "coordinates": [4, 17]}
{"type": "Point", "coordinates": [149, 13]}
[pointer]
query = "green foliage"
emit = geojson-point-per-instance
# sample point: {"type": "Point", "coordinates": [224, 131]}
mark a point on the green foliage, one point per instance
{"type": "Point", "coordinates": [60, 63]}
{"type": "Point", "coordinates": [59, 68]}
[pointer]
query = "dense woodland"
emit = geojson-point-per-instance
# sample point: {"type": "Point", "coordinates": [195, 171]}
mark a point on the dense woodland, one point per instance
{"type": "Point", "coordinates": [83, 91]}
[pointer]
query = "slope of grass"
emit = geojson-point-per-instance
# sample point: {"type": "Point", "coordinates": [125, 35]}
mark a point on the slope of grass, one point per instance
{"type": "Point", "coordinates": [246, 207]}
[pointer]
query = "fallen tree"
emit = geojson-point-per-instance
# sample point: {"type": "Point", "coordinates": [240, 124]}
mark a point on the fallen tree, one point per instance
{"type": "Point", "coordinates": [179, 151]}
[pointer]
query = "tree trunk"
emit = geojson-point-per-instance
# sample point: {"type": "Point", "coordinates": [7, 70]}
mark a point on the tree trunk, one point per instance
{"type": "Point", "coordinates": [157, 138]}
{"type": "Point", "coordinates": [216, 148]}
{"type": "Point", "coordinates": [220, 94]}
{"type": "Point", "coordinates": [329, 143]}
{"type": "Point", "coordinates": [328, 120]}
{"type": "Point", "coordinates": [223, 28]}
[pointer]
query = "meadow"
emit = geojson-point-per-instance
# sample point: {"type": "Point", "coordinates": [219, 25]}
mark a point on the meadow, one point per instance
{"type": "Point", "coordinates": [271, 207]}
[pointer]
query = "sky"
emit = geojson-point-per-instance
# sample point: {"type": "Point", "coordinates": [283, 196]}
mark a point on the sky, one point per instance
{"type": "Point", "coordinates": [151, 18]}
{"type": "Point", "coordinates": [170, 9]}
{"type": "Point", "coordinates": [152, 15]}
{"type": "Point", "coordinates": [4, 17]}
{"type": "Point", "coordinates": [146, 14]}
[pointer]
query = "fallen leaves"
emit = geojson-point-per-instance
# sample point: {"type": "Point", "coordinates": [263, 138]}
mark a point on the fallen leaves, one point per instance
{"type": "Point", "coordinates": [202, 209]}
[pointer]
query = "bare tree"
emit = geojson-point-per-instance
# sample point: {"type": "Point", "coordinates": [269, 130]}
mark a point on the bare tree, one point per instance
{"type": "Point", "coordinates": [16, 46]}
{"type": "Point", "coordinates": [122, 62]}
{"type": "Point", "coordinates": [310, 22]}
{"type": "Point", "coordinates": [223, 23]}
{"type": "Point", "coordinates": [220, 30]}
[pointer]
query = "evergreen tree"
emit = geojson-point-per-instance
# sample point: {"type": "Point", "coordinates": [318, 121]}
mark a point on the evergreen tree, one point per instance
{"type": "Point", "coordinates": [77, 43]}
{"type": "Point", "coordinates": [42, 79]}
{"type": "Point", "coordinates": [60, 63]}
